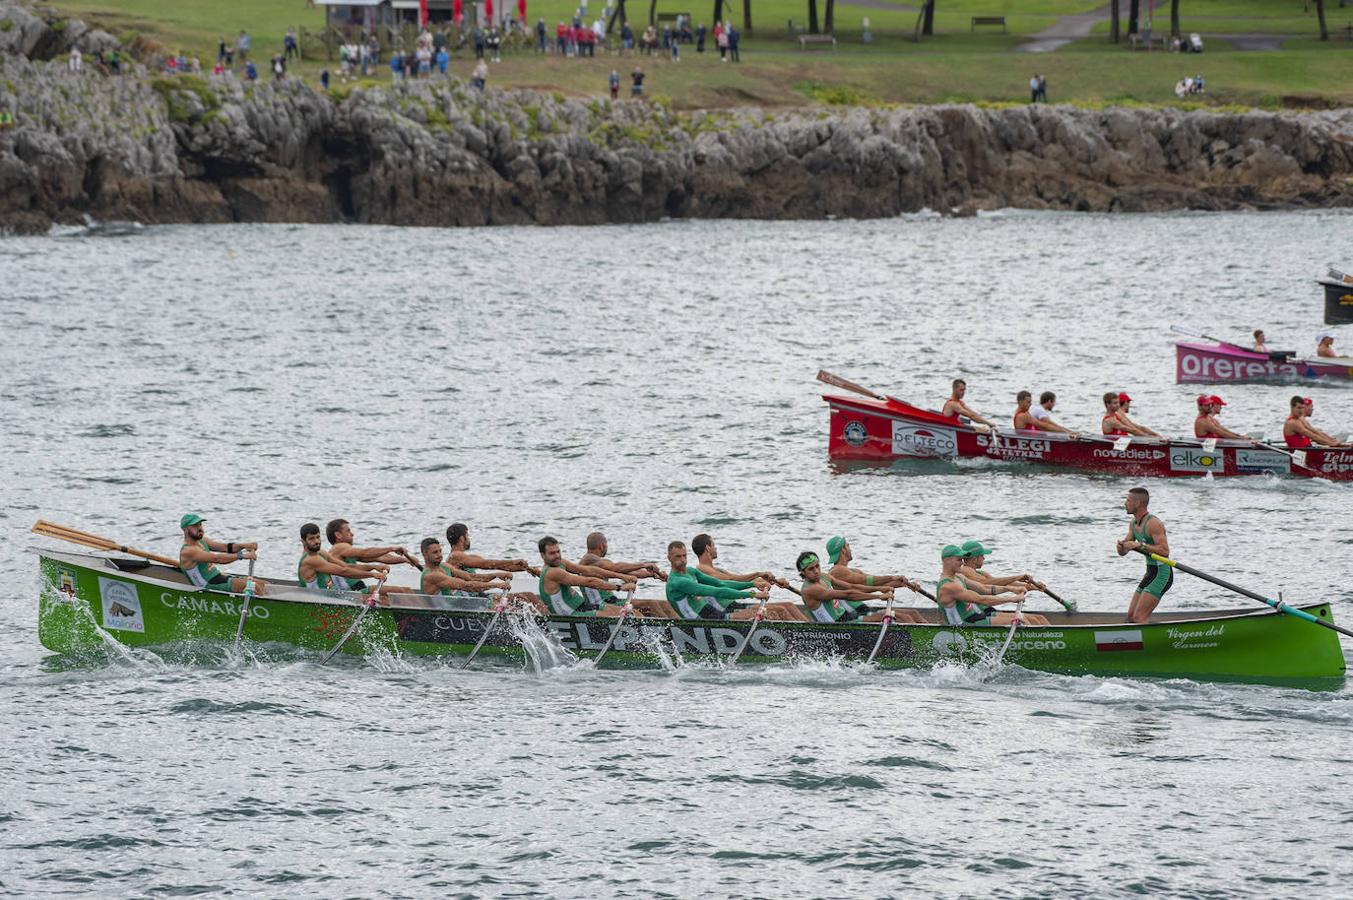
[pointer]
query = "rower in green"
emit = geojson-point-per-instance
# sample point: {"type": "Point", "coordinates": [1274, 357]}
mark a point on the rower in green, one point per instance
{"type": "Point", "coordinates": [695, 595]}
{"type": "Point", "coordinates": [828, 604]}
{"type": "Point", "coordinates": [707, 553]}
{"type": "Point", "coordinates": [840, 555]}
{"type": "Point", "coordinates": [439, 578]}
{"type": "Point", "coordinates": [559, 577]}
{"type": "Point", "coordinates": [319, 571]}
{"type": "Point", "coordinates": [968, 603]}
{"type": "Point", "coordinates": [1146, 532]}
{"type": "Point", "coordinates": [596, 557]}
{"type": "Point", "coordinates": [199, 557]}
{"type": "Point", "coordinates": [459, 555]}
{"type": "Point", "coordinates": [339, 533]}
{"type": "Point", "coordinates": [975, 556]}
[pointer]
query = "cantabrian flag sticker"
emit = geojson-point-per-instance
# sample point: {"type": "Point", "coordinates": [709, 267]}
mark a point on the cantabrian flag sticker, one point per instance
{"type": "Point", "coordinates": [1118, 640]}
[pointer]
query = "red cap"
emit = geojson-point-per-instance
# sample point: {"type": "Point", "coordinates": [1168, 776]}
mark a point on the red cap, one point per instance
{"type": "Point", "coordinates": [1124, 398]}
{"type": "Point", "coordinates": [1308, 401]}
{"type": "Point", "coordinates": [1216, 401]}
{"type": "Point", "coordinates": [1204, 399]}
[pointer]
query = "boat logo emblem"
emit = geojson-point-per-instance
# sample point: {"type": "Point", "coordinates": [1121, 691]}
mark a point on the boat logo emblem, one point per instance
{"type": "Point", "coordinates": [947, 643]}
{"type": "Point", "coordinates": [121, 606]}
{"type": "Point", "coordinates": [923, 440]}
{"type": "Point", "coordinates": [855, 433]}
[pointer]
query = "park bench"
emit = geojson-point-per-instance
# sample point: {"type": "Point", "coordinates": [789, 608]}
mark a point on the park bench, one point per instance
{"type": "Point", "coordinates": [1145, 39]}
{"type": "Point", "coordinates": [806, 39]}
{"type": "Point", "coordinates": [666, 18]}
{"type": "Point", "coordinates": [988, 20]}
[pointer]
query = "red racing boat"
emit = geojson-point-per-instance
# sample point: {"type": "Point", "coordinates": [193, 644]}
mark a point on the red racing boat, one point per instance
{"type": "Point", "coordinates": [887, 429]}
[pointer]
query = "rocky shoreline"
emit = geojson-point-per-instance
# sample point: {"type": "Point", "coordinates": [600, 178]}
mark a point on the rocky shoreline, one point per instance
{"type": "Point", "coordinates": [187, 149]}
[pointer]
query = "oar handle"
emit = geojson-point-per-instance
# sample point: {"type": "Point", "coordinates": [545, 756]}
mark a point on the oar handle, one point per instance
{"type": "Point", "coordinates": [846, 384]}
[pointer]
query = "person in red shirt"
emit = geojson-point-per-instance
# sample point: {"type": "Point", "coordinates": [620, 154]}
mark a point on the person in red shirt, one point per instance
{"type": "Point", "coordinates": [1300, 434]}
{"type": "Point", "coordinates": [1026, 421]}
{"type": "Point", "coordinates": [1207, 426]}
{"type": "Point", "coordinates": [1121, 419]}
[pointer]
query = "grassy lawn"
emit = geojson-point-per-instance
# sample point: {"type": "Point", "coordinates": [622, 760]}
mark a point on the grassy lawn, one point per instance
{"type": "Point", "coordinates": [954, 65]}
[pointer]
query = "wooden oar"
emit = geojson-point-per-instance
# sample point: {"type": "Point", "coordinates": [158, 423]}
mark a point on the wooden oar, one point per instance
{"type": "Point", "coordinates": [756, 621]}
{"type": "Point", "coordinates": [1279, 605]}
{"type": "Point", "coordinates": [498, 609]}
{"type": "Point", "coordinates": [75, 536]}
{"type": "Point", "coordinates": [883, 629]}
{"type": "Point", "coordinates": [620, 620]}
{"type": "Point", "coordinates": [846, 384]}
{"type": "Point", "coordinates": [370, 605]}
{"type": "Point", "coordinates": [244, 607]}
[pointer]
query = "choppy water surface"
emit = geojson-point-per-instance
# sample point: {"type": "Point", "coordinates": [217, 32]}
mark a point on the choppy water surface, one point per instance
{"type": "Point", "coordinates": [654, 382]}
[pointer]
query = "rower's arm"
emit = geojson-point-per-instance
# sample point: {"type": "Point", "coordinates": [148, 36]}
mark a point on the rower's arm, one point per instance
{"type": "Point", "coordinates": [695, 583]}
{"type": "Point", "coordinates": [712, 582]}
{"type": "Point", "coordinates": [594, 572]}
{"type": "Point", "coordinates": [1155, 530]}
{"type": "Point", "coordinates": [572, 580]}
{"type": "Point", "coordinates": [853, 594]}
{"type": "Point", "coordinates": [195, 554]}
{"type": "Point", "coordinates": [480, 562]}
{"type": "Point", "coordinates": [329, 567]}
{"type": "Point", "coordinates": [388, 555]}
{"type": "Point", "coordinates": [971, 414]}
{"type": "Point", "coordinates": [1049, 425]}
{"type": "Point", "coordinates": [436, 578]}
{"type": "Point", "coordinates": [992, 597]}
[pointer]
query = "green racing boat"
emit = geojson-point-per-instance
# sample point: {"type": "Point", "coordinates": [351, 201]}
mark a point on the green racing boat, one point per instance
{"type": "Point", "coordinates": [86, 599]}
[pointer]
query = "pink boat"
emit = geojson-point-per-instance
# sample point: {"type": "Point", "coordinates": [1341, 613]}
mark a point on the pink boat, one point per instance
{"type": "Point", "coordinates": [1210, 363]}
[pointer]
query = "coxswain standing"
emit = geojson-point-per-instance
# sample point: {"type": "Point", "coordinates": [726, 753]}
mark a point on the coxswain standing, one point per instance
{"type": "Point", "coordinates": [1300, 434]}
{"type": "Point", "coordinates": [840, 555]}
{"type": "Point", "coordinates": [1207, 426]}
{"type": "Point", "coordinates": [198, 558]}
{"type": "Point", "coordinates": [1146, 532]}
{"type": "Point", "coordinates": [1028, 418]}
{"type": "Point", "coordinates": [955, 406]}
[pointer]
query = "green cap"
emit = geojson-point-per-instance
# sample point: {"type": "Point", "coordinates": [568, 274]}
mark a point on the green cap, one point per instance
{"type": "Point", "coordinates": [808, 562]}
{"type": "Point", "coordinates": [190, 519]}
{"type": "Point", "coordinates": [834, 545]}
{"type": "Point", "coordinates": [975, 548]}
{"type": "Point", "coordinates": [951, 550]}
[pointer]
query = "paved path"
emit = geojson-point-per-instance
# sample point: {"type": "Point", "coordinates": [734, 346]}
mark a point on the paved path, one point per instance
{"type": "Point", "coordinates": [1071, 28]}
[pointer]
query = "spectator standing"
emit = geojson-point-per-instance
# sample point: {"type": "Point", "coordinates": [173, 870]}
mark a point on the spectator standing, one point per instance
{"type": "Point", "coordinates": [1033, 89]}
{"type": "Point", "coordinates": [1043, 88]}
{"type": "Point", "coordinates": [700, 32]}
{"type": "Point", "coordinates": [438, 41]}
{"type": "Point", "coordinates": [443, 59]}
{"type": "Point", "coordinates": [495, 42]}
{"type": "Point", "coordinates": [637, 85]}
{"type": "Point", "coordinates": [250, 70]}
{"type": "Point", "coordinates": [290, 46]}
{"type": "Point", "coordinates": [480, 76]}
{"type": "Point", "coordinates": [424, 61]}
{"type": "Point", "coordinates": [721, 38]}
{"type": "Point", "coordinates": [676, 47]}
{"type": "Point", "coordinates": [396, 67]}
{"type": "Point", "coordinates": [734, 38]}
{"type": "Point", "coordinates": [478, 37]}
{"type": "Point", "coordinates": [324, 79]}
{"type": "Point", "coordinates": [615, 85]}
{"type": "Point", "coordinates": [242, 45]}
{"type": "Point", "coordinates": [279, 68]}
{"type": "Point", "coordinates": [373, 50]}
{"type": "Point", "coordinates": [77, 61]}
{"type": "Point", "coordinates": [219, 68]}
{"type": "Point", "coordinates": [626, 38]}
{"type": "Point", "coordinates": [221, 51]}
{"type": "Point", "coordinates": [540, 35]}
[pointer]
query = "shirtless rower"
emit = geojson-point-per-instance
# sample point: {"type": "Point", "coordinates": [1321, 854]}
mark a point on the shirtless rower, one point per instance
{"type": "Point", "coordinates": [597, 548]}
{"type": "Point", "coordinates": [198, 558]}
{"type": "Point", "coordinates": [955, 406]}
{"type": "Point", "coordinates": [695, 595]}
{"type": "Point", "coordinates": [1300, 434]}
{"type": "Point", "coordinates": [963, 602]}
{"type": "Point", "coordinates": [1028, 419]}
{"type": "Point", "coordinates": [702, 545]}
{"type": "Point", "coordinates": [1147, 532]}
{"type": "Point", "coordinates": [339, 533]}
{"type": "Point", "coordinates": [318, 570]}
{"type": "Point", "coordinates": [1127, 424]}
{"type": "Point", "coordinates": [975, 556]}
{"type": "Point", "coordinates": [829, 604]}
{"type": "Point", "coordinates": [559, 577]}
{"type": "Point", "coordinates": [1325, 344]}
{"type": "Point", "coordinates": [439, 578]}
{"type": "Point", "coordinates": [840, 555]}
{"type": "Point", "coordinates": [1207, 426]}
{"type": "Point", "coordinates": [1260, 346]}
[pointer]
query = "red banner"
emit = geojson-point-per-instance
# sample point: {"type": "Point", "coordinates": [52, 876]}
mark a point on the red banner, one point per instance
{"type": "Point", "coordinates": [457, 11]}
{"type": "Point", "coordinates": [521, 11]}
{"type": "Point", "coordinates": [488, 10]}
{"type": "Point", "coordinates": [423, 13]}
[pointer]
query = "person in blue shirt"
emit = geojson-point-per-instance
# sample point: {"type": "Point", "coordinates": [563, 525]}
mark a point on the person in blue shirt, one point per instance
{"type": "Point", "coordinates": [396, 66]}
{"type": "Point", "coordinates": [442, 59]}
{"type": "Point", "coordinates": [251, 71]}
